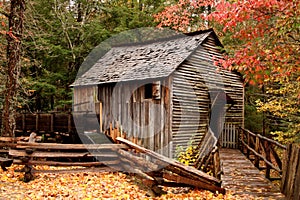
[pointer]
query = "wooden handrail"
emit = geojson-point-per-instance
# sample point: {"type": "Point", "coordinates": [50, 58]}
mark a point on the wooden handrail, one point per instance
{"type": "Point", "coordinates": [264, 138]}
{"type": "Point", "coordinates": [262, 148]}
{"type": "Point", "coordinates": [262, 157]}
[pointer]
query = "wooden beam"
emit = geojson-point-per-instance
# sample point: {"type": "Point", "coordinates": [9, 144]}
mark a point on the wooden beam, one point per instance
{"type": "Point", "coordinates": [190, 182]}
{"type": "Point", "coordinates": [44, 154]}
{"type": "Point", "coordinates": [59, 146]}
{"type": "Point", "coordinates": [138, 160]}
{"type": "Point", "coordinates": [171, 164]}
{"type": "Point", "coordinates": [57, 163]}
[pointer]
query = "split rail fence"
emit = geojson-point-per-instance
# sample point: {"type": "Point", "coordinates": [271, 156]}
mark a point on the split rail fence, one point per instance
{"type": "Point", "coordinates": [153, 169]}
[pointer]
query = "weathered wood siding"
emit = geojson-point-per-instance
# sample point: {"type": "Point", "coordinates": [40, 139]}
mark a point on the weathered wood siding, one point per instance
{"type": "Point", "coordinates": [194, 83]}
{"type": "Point", "coordinates": [232, 85]}
{"type": "Point", "coordinates": [84, 99]}
{"type": "Point", "coordinates": [84, 108]}
{"type": "Point", "coordinates": [190, 107]}
{"type": "Point", "coordinates": [232, 82]}
{"type": "Point", "coordinates": [148, 120]}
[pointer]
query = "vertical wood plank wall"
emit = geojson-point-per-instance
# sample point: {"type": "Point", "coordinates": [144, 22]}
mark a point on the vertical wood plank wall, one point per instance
{"type": "Point", "coordinates": [233, 87]}
{"type": "Point", "coordinates": [199, 74]}
{"type": "Point", "coordinates": [84, 108]}
{"type": "Point", "coordinates": [190, 107]}
{"type": "Point", "coordinates": [147, 120]}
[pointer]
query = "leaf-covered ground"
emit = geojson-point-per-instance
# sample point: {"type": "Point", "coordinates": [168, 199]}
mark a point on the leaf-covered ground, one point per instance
{"type": "Point", "coordinates": [87, 185]}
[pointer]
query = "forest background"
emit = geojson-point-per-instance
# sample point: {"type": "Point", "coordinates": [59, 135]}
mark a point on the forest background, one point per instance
{"type": "Point", "coordinates": [44, 42]}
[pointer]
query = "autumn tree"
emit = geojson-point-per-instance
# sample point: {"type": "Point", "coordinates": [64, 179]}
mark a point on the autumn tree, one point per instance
{"type": "Point", "coordinates": [262, 40]}
{"type": "Point", "coordinates": [12, 66]}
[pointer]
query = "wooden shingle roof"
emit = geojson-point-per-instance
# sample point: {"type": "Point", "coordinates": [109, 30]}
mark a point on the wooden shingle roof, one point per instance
{"type": "Point", "coordinates": [141, 61]}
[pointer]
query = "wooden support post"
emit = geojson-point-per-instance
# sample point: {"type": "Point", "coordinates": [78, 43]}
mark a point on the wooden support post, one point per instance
{"type": "Point", "coordinates": [248, 143]}
{"type": "Point", "coordinates": [100, 118]}
{"type": "Point", "coordinates": [110, 130]}
{"type": "Point", "coordinates": [69, 122]}
{"type": "Point", "coordinates": [118, 134]}
{"type": "Point", "coordinates": [37, 121]}
{"type": "Point", "coordinates": [217, 164]}
{"type": "Point", "coordinates": [256, 161]}
{"type": "Point", "coordinates": [135, 140]}
{"type": "Point", "coordinates": [268, 158]}
{"type": "Point", "coordinates": [242, 140]}
{"type": "Point", "coordinates": [52, 122]}
{"type": "Point", "coordinates": [23, 122]}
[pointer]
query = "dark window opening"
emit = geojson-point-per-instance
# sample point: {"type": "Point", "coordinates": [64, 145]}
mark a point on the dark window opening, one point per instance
{"type": "Point", "coordinates": [148, 91]}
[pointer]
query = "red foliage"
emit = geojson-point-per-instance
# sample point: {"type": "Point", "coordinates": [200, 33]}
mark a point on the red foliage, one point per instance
{"type": "Point", "coordinates": [264, 34]}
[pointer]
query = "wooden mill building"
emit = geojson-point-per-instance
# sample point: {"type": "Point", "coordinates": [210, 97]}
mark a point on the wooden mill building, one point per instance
{"type": "Point", "coordinates": [167, 93]}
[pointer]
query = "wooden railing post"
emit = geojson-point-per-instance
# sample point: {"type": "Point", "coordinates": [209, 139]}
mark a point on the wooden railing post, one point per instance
{"type": "Point", "coordinates": [262, 150]}
{"type": "Point", "coordinates": [242, 139]}
{"type": "Point", "coordinates": [24, 122]}
{"type": "Point", "coordinates": [37, 117]}
{"type": "Point", "coordinates": [256, 161]}
{"type": "Point", "coordinates": [217, 164]}
{"type": "Point", "coordinates": [268, 158]}
{"type": "Point", "coordinates": [52, 122]}
{"type": "Point", "coordinates": [69, 122]}
{"type": "Point", "coordinates": [248, 143]}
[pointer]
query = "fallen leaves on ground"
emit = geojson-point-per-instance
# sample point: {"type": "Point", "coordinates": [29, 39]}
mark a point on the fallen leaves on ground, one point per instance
{"type": "Point", "coordinates": [87, 185]}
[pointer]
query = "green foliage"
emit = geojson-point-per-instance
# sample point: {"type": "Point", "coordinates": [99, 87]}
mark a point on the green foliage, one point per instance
{"type": "Point", "coordinates": [59, 35]}
{"type": "Point", "coordinates": [254, 120]}
{"type": "Point", "coordinates": [282, 107]}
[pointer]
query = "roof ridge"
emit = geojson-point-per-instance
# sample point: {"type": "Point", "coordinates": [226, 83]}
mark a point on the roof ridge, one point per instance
{"type": "Point", "coordinates": [164, 39]}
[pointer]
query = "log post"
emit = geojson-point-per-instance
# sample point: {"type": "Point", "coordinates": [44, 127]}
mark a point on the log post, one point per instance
{"type": "Point", "coordinates": [23, 122]}
{"type": "Point", "coordinates": [69, 122]}
{"type": "Point", "coordinates": [27, 168]}
{"type": "Point", "coordinates": [52, 122]}
{"type": "Point", "coordinates": [37, 121]}
{"type": "Point", "coordinates": [256, 161]}
{"type": "Point", "coordinates": [242, 140]}
{"type": "Point", "coordinates": [268, 157]}
{"type": "Point", "coordinates": [248, 143]}
{"type": "Point", "coordinates": [217, 164]}
{"type": "Point", "coordinates": [290, 184]}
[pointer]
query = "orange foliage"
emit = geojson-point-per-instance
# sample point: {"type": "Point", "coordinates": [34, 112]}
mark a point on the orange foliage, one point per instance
{"type": "Point", "coordinates": [88, 185]}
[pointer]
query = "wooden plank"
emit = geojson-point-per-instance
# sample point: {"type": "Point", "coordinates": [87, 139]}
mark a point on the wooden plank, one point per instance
{"type": "Point", "coordinates": [241, 177]}
{"type": "Point", "coordinates": [170, 162]}
{"type": "Point", "coordinates": [138, 160]}
{"type": "Point", "coordinates": [43, 154]}
{"type": "Point", "coordinates": [190, 182]}
{"type": "Point", "coordinates": [57, 146]}
{"type": "Point", "coordinates": [56, 163]}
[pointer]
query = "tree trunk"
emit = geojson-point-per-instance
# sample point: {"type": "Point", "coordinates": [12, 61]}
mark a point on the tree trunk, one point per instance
{"type": "Point", "coordinates": [14, 36]}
